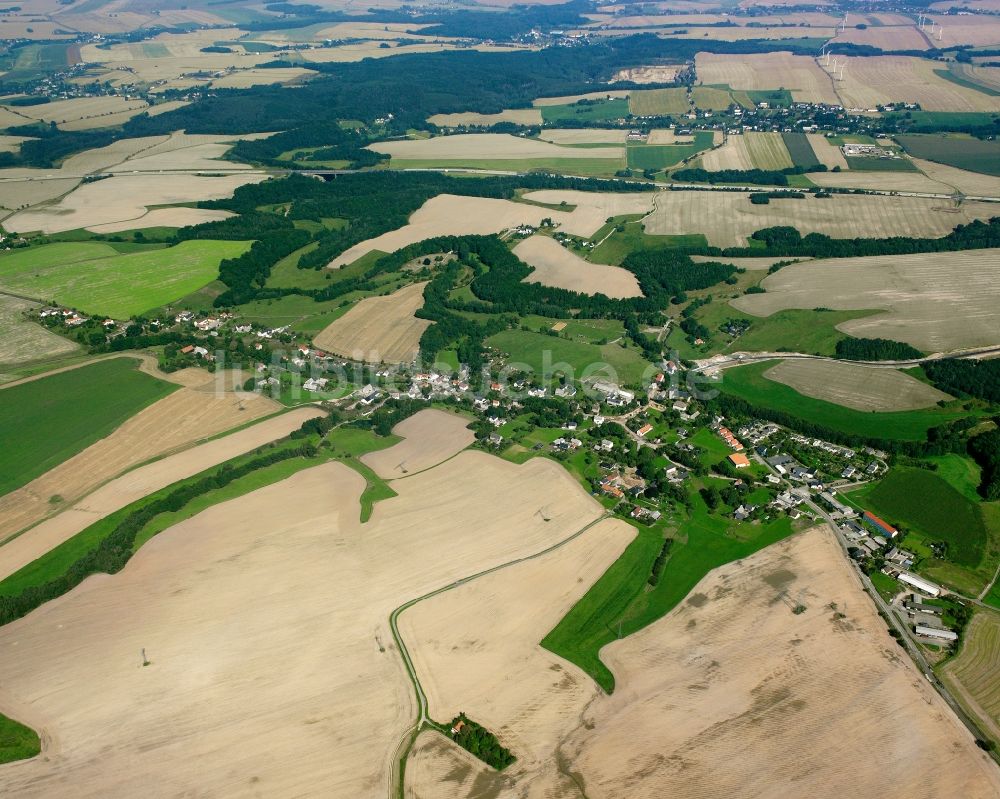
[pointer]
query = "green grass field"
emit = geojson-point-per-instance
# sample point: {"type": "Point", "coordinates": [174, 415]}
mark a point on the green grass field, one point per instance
{"type": "Point", "coordinates": [542, 353]}
{"type": "Point", "coordinates": [617, 246]}
{"type": "Point", "coordinates": [708, 98]}
{"type": "Point", "coordinates": [800, 330]}
{"type": "Point", "coordinates": [661, 156]}
{"type": "Point", "coordinates": [749, 383]}
{"type": "Point", "coordinates": [659, 102]}
{"type": "Point", "coordinates": [956, 150]}
{"type": "Point", "coordinates": [800, 149]}
{"type": "Point", "coordinates": [17, 742]}
{"type": "Point", "coordinates": [621, 601]}
{"type": "Point", "coordinates": [46, 421]}
{"type": "Point", "coordinates": [599, 110]}
{"type": "Point", "coordinates": [920, 500]}
{"type": "Point", "coordinates": [96, 279]}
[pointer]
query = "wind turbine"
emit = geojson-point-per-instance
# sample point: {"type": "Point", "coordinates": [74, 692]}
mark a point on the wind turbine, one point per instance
{"type": "Point", "coordinates": [843, 23]}
{"type": "Point", "coordinates": [940, 31]}
{"type": "Point", "coordinates": [842, 66]}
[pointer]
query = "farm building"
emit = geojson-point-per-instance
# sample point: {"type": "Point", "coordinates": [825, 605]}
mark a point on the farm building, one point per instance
{"type": "Point", "coordinates": [919, 583]}
{"type": "Point", "coordinates": [876, 524]}
{"type": "Point", "coordinates": [739, 460]}
{"type": "Point", "coordinates": [934, 632]}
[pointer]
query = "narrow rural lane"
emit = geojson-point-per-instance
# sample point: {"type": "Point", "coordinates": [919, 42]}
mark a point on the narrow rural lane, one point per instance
{"type": "Point", "coordinates": [402, 748]}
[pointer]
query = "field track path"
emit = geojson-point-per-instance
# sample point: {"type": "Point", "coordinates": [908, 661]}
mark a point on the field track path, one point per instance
{"type": "Point", "coordinates": [402, 749]}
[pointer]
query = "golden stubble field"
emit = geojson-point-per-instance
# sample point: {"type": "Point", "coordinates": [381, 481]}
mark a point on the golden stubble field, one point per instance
{"type": "Point", "coordinates": [379, 329]}
{"type": "Point", "coordinates": [265, 621]}
{"type": "Point", "coordinates": [189, 414]}
{"type": "Point", "coordinates": [557, 266]}
{"type": "Point", "coordinates": [874, 80]}
{"type": "Point", "coordinates": [863, 388]}
{"type": "Point", "coordinates": [125, 199]}
{"type": "Point", "coordinates": [591, 210]}
{"type": "Point", "coordinates": [429, 438]}
{"type": "Point", "coordinates": [22, 339]}
{"type": "Point", "coordinates": [973, 673]}
{"type": "Point", "coordinates": [449, 214]}
{"type": "Point", "coordinates": [801, 75]}
{"type": "Point", "coordinates": [936, 302]}
{"type": "Point", "coordinates": [728, 218]}
{"type": "Point", "coordinates": [486, 146]}
{"type": "Point", "coordinates": [731, 694]}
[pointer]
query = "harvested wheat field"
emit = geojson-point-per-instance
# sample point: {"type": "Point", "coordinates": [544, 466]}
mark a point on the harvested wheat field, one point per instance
{"type": "Point", "coordinates": [713, 700]}
{"type": "Point", "coordinates": [884, 181]}
{"type": "Point", "coordinates": [668, 136]}
{"type": "Point", "coordinates": [498, 673]}
{"type": "Point", "coordinates": [936, 303]}
{"type": "Point", "coordinates": [429, 437]}
{"type": "Point", "coordinates": [126, 198]}
{"type": "Point", "coordinates": [556, 266]}
{"type": "Point", "coordinates": [180, 216]}
{"type": "Point", "coordinates": [728, 218]}
{"type": "Point", "coordinates": [184, 151]}
{"type": "Point", "coordinates": [245, 78]}
{"type": "Point", "coordinates": [21, 192]}
{"type": "Point", "coordinates": [379, 329]}
{"type": "Point", "coordinates": [973, 674]}
{"type": "Point", "coordinates": [451, 215]}
{"type": "Point", "coordinates": [731, 155]}
{"type": "Point", "coordinates": [519, 116]}
{"type": "Point", "coordinates": [592, 209]}
{"type": "Point", "coordinates": [885, 37]}
{"type": "Point", "coordinates": [541, 102]}
{"type": "Point", "coordinates": [133, 485]}
{"type": "Point", "coordinates": [826, 152]}
{"type": "Point", "coordinates": [971, 183]}
{"type": "Point", "coordinates": [498, 146]}
{"type": "Point", "coordinates": [979, 30]}
{"type": "Point", "coordinates": [178, 420]}
{"type": "Point", "coordinates": [584, 136]}
{"type": "Point", "coordinates": [23, 340]}
{"type": "Point", "coordinates": [767, 151]}
{"type": "Point", "coordinates": [84, 112]}
{"type": "Point", "coordinates": [801, 75]}
{"type": "Point", "coordinates": [436, 764]}
{"type": "Point", "coordinates": [863, 388]}
{"type": "Point", "coordinates": [876, 80]}
{"type": "Point", "coordinates": [221, 600]}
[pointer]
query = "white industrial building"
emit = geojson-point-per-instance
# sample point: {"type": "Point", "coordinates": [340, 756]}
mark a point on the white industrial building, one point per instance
{"type": "Point", "coordinates": [935, 632]}
{"type": "Point", "coordinates": [919, 583]}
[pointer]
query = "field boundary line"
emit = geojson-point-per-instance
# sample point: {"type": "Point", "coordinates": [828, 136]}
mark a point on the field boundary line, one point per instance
{"type": "Point", "coordinates": [399, 767]}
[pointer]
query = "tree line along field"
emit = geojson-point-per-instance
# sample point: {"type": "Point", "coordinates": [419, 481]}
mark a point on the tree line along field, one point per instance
{"type": "Point", "coordinates": [749, 383]}
{"type": "Point", "coordinates": [97, 279]}
{"type": "Point", "coordinates": [44, 422]}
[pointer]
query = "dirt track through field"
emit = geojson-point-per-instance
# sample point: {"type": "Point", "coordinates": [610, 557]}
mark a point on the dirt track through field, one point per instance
{"type": "Point", "coordinates": [265, 620]}
{"type": "Point", "coordinates": [713, 700]}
